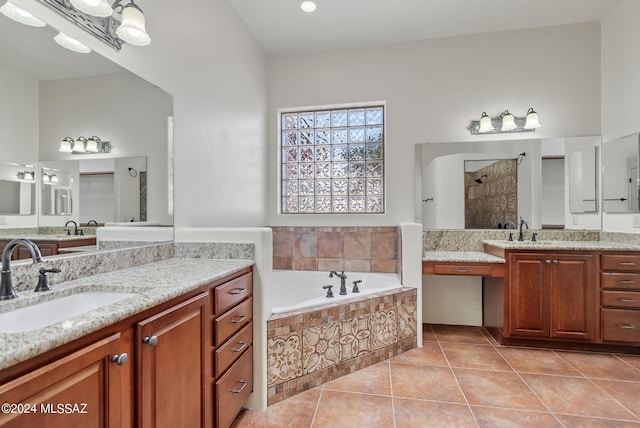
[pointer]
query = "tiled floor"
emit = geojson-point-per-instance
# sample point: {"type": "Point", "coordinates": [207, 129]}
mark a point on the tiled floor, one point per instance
{"type": "Point", "coordinates": [461, 378]}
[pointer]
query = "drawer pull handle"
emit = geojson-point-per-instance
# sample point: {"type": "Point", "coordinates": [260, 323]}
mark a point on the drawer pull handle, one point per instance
{"type": "Point", "coordinates": [244, 385]}
{"type": "Point", "coordinates": [627, 281]}
{"type": "Point", "coordinates": [150, 340]}
{"type": "Point", "coordinates": [242, 346]}
{"type": "Point", "coordinates": [627, 263]}
{"type": "Point", "coordinates": [622, 299]}
{"type": "Point", "coordinates": [239, 320]}
{"type": "Point", "coordinates": [462, 270]}
{"type": "Point", "coordinates": [238, 291]}
{"type": "Point", "coordinates": [627, 326]}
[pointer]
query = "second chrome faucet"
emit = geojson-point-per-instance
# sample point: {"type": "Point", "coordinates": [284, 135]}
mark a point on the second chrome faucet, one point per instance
{"type": "Point", "coordinates": [343, 281]}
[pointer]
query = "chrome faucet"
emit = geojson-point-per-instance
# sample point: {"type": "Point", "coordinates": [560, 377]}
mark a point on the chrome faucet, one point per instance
{"type": "Point", "coordinates": [75, 227]}
{"type": "Point", "coordinates": [343, 279]}
{"type": "Point", "coordinates": [6, 286]}
{"type": "Point", "coordinates": [522, 223]}
{"type": "Point", "coordinates": [509, 223]}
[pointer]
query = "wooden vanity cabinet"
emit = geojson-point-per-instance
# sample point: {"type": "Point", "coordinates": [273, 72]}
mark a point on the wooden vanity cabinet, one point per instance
{"type": "Point", "coordinates": [551, 296]}
{"type": "Point", "coordinates": [620, 298]}
{"type": "Point", "coordinates": [87, 388]}
{"type": "Point", "coordinates": [231, 346]}
{"type": "Point", "coordinates": [47, 248]}
{"type": "Point", "coordinates": [173, 373]}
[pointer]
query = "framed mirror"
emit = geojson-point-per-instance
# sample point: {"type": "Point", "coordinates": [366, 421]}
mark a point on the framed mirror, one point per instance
{"type": "Point", "coordinates": [620, 167]}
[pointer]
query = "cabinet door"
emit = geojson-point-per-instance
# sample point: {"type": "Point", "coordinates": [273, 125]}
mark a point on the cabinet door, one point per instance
{"type": "Point", "coordinates": [572, 292]}
{"type": "Point", "coordinates": [528, 295]}
{"type": "Point", "coordinates": [80, 390]}
{"type": "Point", "coordinates": [173, 373]}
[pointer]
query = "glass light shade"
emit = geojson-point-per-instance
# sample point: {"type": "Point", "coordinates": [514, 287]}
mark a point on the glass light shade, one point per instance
{"type": "Point", "coordinates": [71, 43]}
{"type": "Point", "coordinates": [100, 8]}
{"type": "Point", "coordinates": [19, 15]}
{"type": "Point", "coordinates": [91, 146]}
{"type": "Point", "coordinates": [28, 175]}
{"type": "Point", "coordinates": [508, 122]}
{"type": "Point", "coordinates": [66, 146]}
{"type": "Point", "coordinates": [78, 146]}
{"type": "Point", "coordinates": [54, 178]}
{"type": "Point", "coordinates": [532, 121]}
{"type": "Point", "coordinates": [132, 29]}
{"type": "Point", "coordinates": [308, 6]}
{"type": "Point", "coordinates": [485, 123]}
{"type": "Point", "coordinates": [46, 177]}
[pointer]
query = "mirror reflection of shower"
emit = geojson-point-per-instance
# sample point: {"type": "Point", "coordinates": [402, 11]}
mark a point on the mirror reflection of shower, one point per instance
{"type": "Point", "coordinates": [490, 203]}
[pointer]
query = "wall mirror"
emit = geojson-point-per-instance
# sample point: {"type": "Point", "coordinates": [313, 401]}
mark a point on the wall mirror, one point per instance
{"type": "Point", "coordinates": [56, 191]}
{"type": "Point", "coordinates": [533, 186]}
{"type": "Point", "coordinates": [18, 189]}
{"type": "Point", "coordinates": [49, 93]}
{"type": "Point", "coordinates": [620, 159]}
{"type": "Point", "coordinates": [583, 183]}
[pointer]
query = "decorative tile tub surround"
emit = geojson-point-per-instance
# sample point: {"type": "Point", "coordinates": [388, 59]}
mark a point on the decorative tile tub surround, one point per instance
{"type": "Point", "coordinates": [308, 348]}
{"type": "Point", "coordinates": [356, 249]}
{"type": "Point", "coordinates": [471, 240]}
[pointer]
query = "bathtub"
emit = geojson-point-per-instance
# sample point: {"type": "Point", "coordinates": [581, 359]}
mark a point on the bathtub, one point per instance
{"type": "Point", "coordinates": [295, 290]}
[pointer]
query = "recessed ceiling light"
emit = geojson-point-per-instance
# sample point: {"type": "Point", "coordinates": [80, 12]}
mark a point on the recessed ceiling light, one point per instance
{"type": "Point", "coordinates": [308, 5]}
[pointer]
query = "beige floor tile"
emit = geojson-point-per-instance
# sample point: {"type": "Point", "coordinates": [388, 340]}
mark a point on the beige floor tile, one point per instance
{"type": "Point", "coordinates": [497, 389]}
{"type": "Point", "coordinates": [430, 354]}
{"type": "Point", "coordinates": [345, 409]}
{"type": "Point", "coordinates": [425, 383]}
{"type": "Point", "coordinates": [473, 356]}
{"type": "Point", "coordinates": [375, 379]}
{"type": "Point", "coordinates": [491, 417]}
{"type": "Point", "coordinates": [600, 366]}
{"type": "Point", "coordinates": [627, 393]}
{"type": "Point", "coordinates": [570, 421]}
{"type": "Point", "coordinates": [459, 334]}
{"type": "Point", "coordinates": [295, 412]}
{"type": "Point", "coordinates": [541, 361]}
{"type": "Point", "coordinates": [575, 396]}
{"type": "Point", "coordinates": [421, 414]}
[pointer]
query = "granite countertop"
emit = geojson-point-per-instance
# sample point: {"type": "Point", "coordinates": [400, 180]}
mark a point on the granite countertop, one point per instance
{"type": "Point", "coordinates": [154, 284]}
{"type": "Point", "coordinates": [47, 237]}
{"type": "Point", "coordinates": [562, 245]}
{"type": "Point", "coordinates": [460, 256]}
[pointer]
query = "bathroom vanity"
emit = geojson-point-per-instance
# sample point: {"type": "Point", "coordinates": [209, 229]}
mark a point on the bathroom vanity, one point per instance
{"type": "Point", "coordinates": [584, 294]}
{"type": "Point", "coordinates": [177, 353]}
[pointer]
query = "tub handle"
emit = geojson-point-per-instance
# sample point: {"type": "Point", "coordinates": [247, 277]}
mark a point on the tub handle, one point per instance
{"type": "Point", "coordinates": [239, 320]}
{"type": "Point", "coordinates": [355, 286]}
{"type": "Point", "coordinates": [328, 288]}
{"type": "Point", "coordinates": [242, 346]}
{"type": "Point", "coordinates": [238, 291]}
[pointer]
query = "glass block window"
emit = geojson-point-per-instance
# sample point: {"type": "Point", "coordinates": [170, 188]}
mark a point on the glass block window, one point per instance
{"type": "Point", "coordinates": [333, 161]}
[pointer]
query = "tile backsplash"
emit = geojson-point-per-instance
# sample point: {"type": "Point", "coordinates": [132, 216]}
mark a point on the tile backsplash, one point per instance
{"type": "Point", "coordinates": [356, 249]}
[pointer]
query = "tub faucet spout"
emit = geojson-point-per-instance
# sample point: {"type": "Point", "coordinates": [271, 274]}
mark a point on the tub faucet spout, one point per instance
{"type": "Point", "coordinates": [343, 281]}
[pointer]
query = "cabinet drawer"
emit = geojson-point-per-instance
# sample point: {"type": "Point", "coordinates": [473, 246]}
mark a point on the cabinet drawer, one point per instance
{"type": "Point", "coordinates": [626, 262]}
{"type": "Point", "coordinates": [232, 292]}
{"type": "Point", "coordinates": [461, 269]}
{"type": "Point", "coordinates": [628, 299]}
{"type": "Point", "coordinates": [620, 280]}
{"type": "Point", "coordinates": [229, 323]}
{"type": "Point", "coordinates": [232, 349]}
{"type": "Point", "coordinates": [232, 390]}
{"type": "Point", "coordinates": [620, 325]}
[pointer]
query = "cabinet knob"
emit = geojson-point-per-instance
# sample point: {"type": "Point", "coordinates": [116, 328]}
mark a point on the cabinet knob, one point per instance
{"type": "Point", "coordinates": [548, 262]}
{"type": "Point", "coordinates": [120, 359]}
{"type": "Point", "coordinates": [150, 340]}
{"type": "Point", "coordinates": [555, 262]}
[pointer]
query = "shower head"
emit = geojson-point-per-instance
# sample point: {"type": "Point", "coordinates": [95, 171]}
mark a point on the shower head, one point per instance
{"type": "Point", "coordinates": [482, 179]}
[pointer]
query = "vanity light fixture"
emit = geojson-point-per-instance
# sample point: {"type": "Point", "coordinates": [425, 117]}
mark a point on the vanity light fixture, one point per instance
{"type": "Point", "coordinates": [54, 178]}
{"type": "Point", "coordinates": [26, 175]}
{"type": "Point", "coordinates": [46, 177]}
{"type": "Point", "coordinates": [84, 145]}
{"type": "Point", "coordinates": [505, 122]}
{"type": "Point", "coordinates": [71, 43]}
{"type": "Point", "coordinates": [19, 15]}
{"type": "Point", "coordinates": [308, 5]}
{"type": "Point", "coordinates": [113, 22]}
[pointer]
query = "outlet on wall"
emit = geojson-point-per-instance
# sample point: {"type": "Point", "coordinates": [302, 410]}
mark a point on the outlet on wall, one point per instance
{"type": "Point", "coordinates": [574, 219]}
{"type": "Point", "coordinates": [635, 220]}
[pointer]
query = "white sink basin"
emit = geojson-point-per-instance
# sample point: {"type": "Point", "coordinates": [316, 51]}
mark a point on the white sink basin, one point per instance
{"type": "Point", "coordinates": [50, 312]}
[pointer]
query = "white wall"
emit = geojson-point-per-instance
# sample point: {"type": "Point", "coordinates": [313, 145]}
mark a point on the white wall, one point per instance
{"type": "Point", "coordinates": [204, 56]}
{"type": "Point", "coordinates": [434, 88]}
{"type": "Point", "coordinates": [121, 108]}
{"type": "Point", "coordinates": [620, 87]}
{"type": "Point", "coordinates": [590, 221]}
